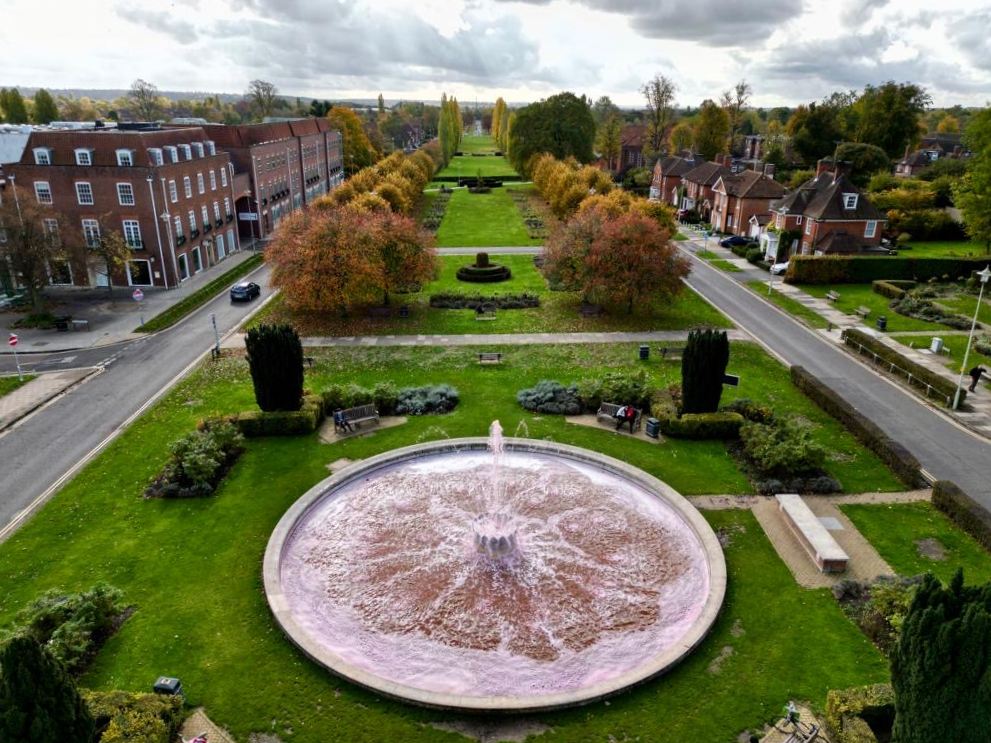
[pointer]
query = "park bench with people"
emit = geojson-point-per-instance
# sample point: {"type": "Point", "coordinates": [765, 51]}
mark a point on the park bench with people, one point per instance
{"type": "Point", "coordinates": [607, 412]}
{"type": "Point", "coordinates": [356, 416]}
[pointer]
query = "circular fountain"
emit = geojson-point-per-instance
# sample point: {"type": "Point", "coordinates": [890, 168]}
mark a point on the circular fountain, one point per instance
{"type": "Point", "coordinates": [491, 575]}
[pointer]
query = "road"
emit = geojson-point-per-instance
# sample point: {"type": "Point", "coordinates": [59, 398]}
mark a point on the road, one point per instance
{"type": "Point", "coordinates": [36, 453]}
{"type": "Point", "coordinates": [946, 450]}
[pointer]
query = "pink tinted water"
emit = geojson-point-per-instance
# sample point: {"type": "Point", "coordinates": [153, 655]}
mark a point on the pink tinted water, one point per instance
{"type": "Point", "coordinates": [386, 574]}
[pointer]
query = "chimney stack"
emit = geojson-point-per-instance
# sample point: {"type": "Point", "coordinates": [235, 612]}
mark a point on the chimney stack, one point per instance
{"type": "Point", "coordinates": [769, 170]}
{"type": "Point", "coordinates": [908, 150]}
{"type": "Point", "coordinates": [825, 165]}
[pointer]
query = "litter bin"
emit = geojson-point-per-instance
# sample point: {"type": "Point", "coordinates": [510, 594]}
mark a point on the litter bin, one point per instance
{"type": "Point", "coordinates": [937, 345]}
{"type": "Point", "coordinates": [404, 310]}
{"type": "Point", "coordinates": [653, 428]}
{"type": "Point", "coordinates": [170, 687]}
{"type": "Point", "coordinates": [644, 352]}
{"type": "Point", "coordinates": [882, 323]}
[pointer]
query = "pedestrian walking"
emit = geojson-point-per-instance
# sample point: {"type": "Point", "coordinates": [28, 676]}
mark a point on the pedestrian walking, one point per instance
{"type": "Point", "coordinates": [975, 375]}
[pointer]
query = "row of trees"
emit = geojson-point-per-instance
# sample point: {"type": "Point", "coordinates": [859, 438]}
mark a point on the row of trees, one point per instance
{"type": "Point", "coordinates": [564, 184]}
{"type": "Point", "coordinates": [393, 184]}
{"type": "Point", "coordinates": [449, 128]}
{"type": "Point", "coordinates": [502, 123]}
{"type": "Point", "coordinates": [14, 109]}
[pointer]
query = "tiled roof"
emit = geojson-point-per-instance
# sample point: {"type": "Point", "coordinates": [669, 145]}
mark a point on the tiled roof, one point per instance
{"type": "Point", "coordinates": [707, 174]}
{"type": "Point", "coordinates": [822, 198]}
{"type": "Point", "coordinates": [749, 184]}
{"type": "Point", "coordinates": [633, 136]}
{"type": "Point", "coordinates": [839, 242]}
{"type": "Point", "coordinates": [916, 159]}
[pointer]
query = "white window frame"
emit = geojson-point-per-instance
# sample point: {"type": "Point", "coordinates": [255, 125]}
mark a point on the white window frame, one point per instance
{"type": "Point", "coordinates": [51, 226]}
{"type": "Point", "coordinates": [197, 260]}
{"type": "Point", "coordinates": [199, 184]}
{"type": "Point", "coordinates": [173, 153]}
{"type": "Point", "coordinates": [849, 201]}
{"type": "Point", "coordinates": [798, 220]}
{"type": "Point", "coordinates": [178, 226]}
{"type": "Point", "coordinates": [187, 186]}
{"type": "Point", "coordinates": [173, 192]}
{"type": "Point", "coordinates": [91, 233]}
{"type": "Point", "coordinates": [125, 158]}
{"type": "Point", "coordinates": [808, 227]}
{"type": "Point", "coordinates": [205, 213]}
{"type": "Point", "coordinates": [187, 152]}
{"type": "Point", "coordinates": [123, 189]}
{"type": "Point", "coordinates": [192, 223]}
{"type": "Point", "coordinates": [216, 211]}
{"type": "Point", "coordinates": [42, 155]}
{"type": "Point", "coordinates": [132, 233]}
{"type": "Point", "coordinates": [227, 207]}
{"type": "Point", "coordinates": [871, 229]}
{"type": "Point", "coordinates": [43, 192]}
{"type": "Point", "coordinates": [211, 148]}
{"type": "Point", "coordinates": [198, 149]}
{"type": "Point", "coordinates": [223, 177]}
{"type": "Point", "coordinates": [155, 153]}
{"type": "Point", "coordinates": [68, 269]}
{"type": "Point", "coordinates": [183, 267]}
{"type": "Point", "coordinates": [87, 187]}
{"type": "Point", "coordinates": [130, 278]}
{"type": "Point", "coordinates": [84, 156]}
{"type": "Point", "coordinates": [213, 180]}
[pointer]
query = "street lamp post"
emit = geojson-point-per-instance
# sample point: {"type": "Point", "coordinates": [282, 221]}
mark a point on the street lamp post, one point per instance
{"type": "Point", "coordinates": [983, 276]}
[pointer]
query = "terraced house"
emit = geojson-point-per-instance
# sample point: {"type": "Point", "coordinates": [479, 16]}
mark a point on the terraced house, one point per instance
{"type": "Point", "coordinates": [739, 198]}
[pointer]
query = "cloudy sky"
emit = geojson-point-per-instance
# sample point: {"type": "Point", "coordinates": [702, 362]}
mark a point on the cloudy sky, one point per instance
{"type": "Point", "coordinates": [790, 51]}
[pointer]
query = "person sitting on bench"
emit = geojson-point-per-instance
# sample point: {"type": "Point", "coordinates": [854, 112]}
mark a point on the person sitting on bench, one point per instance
{"type": "Point", "coordinates": [341, 421]}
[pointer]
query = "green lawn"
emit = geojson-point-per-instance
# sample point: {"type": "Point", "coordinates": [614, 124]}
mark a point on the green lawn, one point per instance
{"type": "Point", "coordinates": [484, 143]}
{"type": "Point", "coordinates": [894, 531]}
{"type": "Point", "coordinates": [482, 220]}
{"type": "Point", "coordinates": [191, 567]}
{"type": "Point", "coordinates": [957, 345]}
{"type": "Point", "coordinates": [941, 249]}
{"type": "Point", "coordinates": [558, 313]}
{"type": "Point", "coordinates": [793, 307]}
{"type": "Point", "coordinates": [462, 166]}
{"type": "Point", "coordinates": [853, 296]}
{"type": "Point", "coordinates": [965, 304]}
{"type": "Point", "coordinates": [725, 265]}
{"type": "Point", "coordinates": [9, 384]}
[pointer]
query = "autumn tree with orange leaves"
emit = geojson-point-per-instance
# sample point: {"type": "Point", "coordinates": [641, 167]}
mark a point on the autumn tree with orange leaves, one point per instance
{"type": "Point", "coordinates": [333, 259]}
{"type": "Point", "coordinates": [621, 260]}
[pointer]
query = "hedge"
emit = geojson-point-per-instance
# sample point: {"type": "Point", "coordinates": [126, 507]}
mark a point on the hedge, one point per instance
{"type": "Point", "coordinates": [857, 269]}
{"type": "Point", "coordinates": [201, 296]}
{"type": "Point", "coordinates": [461, 301]}
{"type": "Point", "coordinates": [846, 711]}
{"type": "Point", "coordinates": [897, 457]}
{"type": "Point", "coordinates": [964, 511]}
{"type": "Point", "coordinates": [892, 289]}
{"type": "Point", "coordinates": [255, 423]}
{"type": "Point", "coordinates": [703, 426]}
{"type": "Point", "coordinates": [125, 716]}
{"type": "Point", "coordinates": [919, 375]}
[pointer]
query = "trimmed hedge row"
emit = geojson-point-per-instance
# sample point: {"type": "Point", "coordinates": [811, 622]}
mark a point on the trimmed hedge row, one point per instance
{"type": "Point", "coordinates": [847, 709]}
{"type": "Point", "coordinates": [703, 426]}
{"type": "Point", "coordinates": [964, 511]}
{"type": "Point", "coordinates": [920, 375]}
{"type": "Point", "coordinates": [897, 457]}
{"type": "Point", "coordinates": [201, 296]}
{"type": "Point", "coordinates": [255, 423]}
{"type": "Point", "coordinates": [892, 289]}
{"type": "Point", "coordinates": [123, 716]}
{"type": "Point", "coordinates": [808, 269]}
{"type": "Point", "coordinates": [461, 301]}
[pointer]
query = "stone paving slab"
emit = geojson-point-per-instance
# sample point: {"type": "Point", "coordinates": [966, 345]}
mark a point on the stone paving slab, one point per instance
{"type": "Point", "coordinates": [198, 723]}
{"type": "Point", "coordinates": [37, 392]}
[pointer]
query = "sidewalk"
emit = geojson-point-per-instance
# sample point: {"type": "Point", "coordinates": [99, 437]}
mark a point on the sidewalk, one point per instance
{"type": "Point", "coordinates": [110, 321]}
{"type": "Point", "coordinates": [36, 393]}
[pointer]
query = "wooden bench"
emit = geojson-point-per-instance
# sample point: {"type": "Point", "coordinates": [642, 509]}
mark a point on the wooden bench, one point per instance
{"type": "Point", "coordinates": [590, 310]}
{"type": "Point", "coordinates": [485, 312]}
{"type": "Point", "coordinates": [489, 358]}
{"type": "Point", "coordinates": [673, 353]}
{"type": "Point", "coordinates": [864, 312]}
{"type": "Point", "coordinates": [608, 410]}
{"type": "Point", "coordinates": [358, 415]}
{"type": "Point", "coordinates": [379, 312]}
{"type": "Point", "coordinates": [80, 325]}
{"type": "Point", "coordinates": [811, 534]}
{"type": "Point", "coordinates": [833, 296]}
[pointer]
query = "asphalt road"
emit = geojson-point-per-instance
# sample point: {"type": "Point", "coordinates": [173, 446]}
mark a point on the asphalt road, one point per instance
{"type": "Point", "coordinates": [945, 450]}
{"type": "Point", "coordinates": [36, 453]}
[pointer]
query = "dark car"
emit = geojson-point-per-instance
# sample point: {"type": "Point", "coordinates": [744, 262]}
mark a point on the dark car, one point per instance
{"type": "Point", "coordinates": [733, 240]}
{"type": "Point", "coordinates": [246, 290]}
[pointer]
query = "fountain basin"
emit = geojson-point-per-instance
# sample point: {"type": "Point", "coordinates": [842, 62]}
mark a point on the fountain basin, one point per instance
{"type": "Point", "coordinates": [591, 607]}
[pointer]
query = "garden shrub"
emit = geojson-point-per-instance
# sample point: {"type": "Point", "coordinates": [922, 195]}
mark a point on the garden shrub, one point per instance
{"type": "Point", "coordinates": [820, 484]}
{"type": "Point", "coordinates": [275, 359]}
{"type": "Point", "coordinates": [901, 461]}
{"type": "Point", "coordinates": [741, 250]}
{"type": "Point", "coordinates": [385, 398]}
{"type": "Point", "coordinates": [73, 626]}
{"type": "Point", "coordinates": [255, 423]}
{"type": "Point", "coordinates": [126, 717]}
{"type": "Point", "coordinates": [920, 309]}
{"type": "Point", "coordinates": [754, 255]}
{"type": "Point", "coordinates": [847, 712]}
{"type": "Point", "coordinates": [892, 289]}
{"type": "Point", "coordinates": [551, 397]}
{"type": "Point", "coordinates": [836, 269]}
{"type": "Point", "coordinates": [963, 511]}
{"type": "Point", "coordinates": [782, 448]}
{"type": "Point", "coordinates": [925, 224]}
{"type": "Point", "coordinates": [438, 398]}
{"type": "Point", "coordinates": [703, 426]}
{"type": "Point", "coordinates": [199, 461]}
{"type": "Point", "coordinates": [921, 375]}
{"type": "Point", "coordinates": [460, 301]}
{"type": "Point", "coordinates": [751, 411]}
{"type": "Point", "coordinates": [619, 388]}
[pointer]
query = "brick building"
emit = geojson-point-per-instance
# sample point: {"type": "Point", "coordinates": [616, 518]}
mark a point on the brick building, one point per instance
{"type": "Point", "coordinates": [667, 177]}
{"type": "Point", "coordinates": [739, 197]}
{"type": "Point", "coordinates": [699, 182]}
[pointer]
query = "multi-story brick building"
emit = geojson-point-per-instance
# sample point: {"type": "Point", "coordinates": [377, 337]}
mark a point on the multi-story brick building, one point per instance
{"type": "Point", "coordinates": [168, 192]}
{"type": "Point", "coordinates": [739, 197]}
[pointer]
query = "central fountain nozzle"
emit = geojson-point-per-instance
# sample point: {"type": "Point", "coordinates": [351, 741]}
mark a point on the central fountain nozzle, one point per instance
{"type": "Point", "coordinates": [495, 534]}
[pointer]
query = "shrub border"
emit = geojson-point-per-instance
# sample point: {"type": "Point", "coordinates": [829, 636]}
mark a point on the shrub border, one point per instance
{"type": "Point", "coordinates": [844, 709]}
{"type": "Point", "coordinates": [963, 511]}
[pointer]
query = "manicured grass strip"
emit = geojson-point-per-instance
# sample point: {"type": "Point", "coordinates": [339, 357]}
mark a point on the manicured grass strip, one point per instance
{"type": "Point", "coordinates": [724, 265]}
{"type": "Point", "coordinates": [793, 307]}
{"type": "Point", "coordinates": [466, 166]}
{"type": "Point", "coordinates": [957, 345]}
{"type": "Point", "coordinates": [853, 296]}
{"type": "Point", "coordinates": [9, 384]}
{"type": "Point", "coordinates": [943, 249]}
{"type": "Point", "coordinates": [201, 296]}
{"type": "Point", "coordinates": [484, 143]}
{"type": "Point", "coordinates": [895, 531]}
{"type": "Point", "coordinates": [482, 220]}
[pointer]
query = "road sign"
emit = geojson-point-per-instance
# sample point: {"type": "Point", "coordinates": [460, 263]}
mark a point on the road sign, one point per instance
{"type": "Point", "coordinates": [12, 341]}
{"type": "Point", "coordinates": [248, 216]}
{"type": "Point", "coordinates": [731, 380]}
{"type": "Point", "coordinates": [138, 295]}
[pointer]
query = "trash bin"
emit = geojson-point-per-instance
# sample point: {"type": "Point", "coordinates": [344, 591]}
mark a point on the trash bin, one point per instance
{"type": "Point", "coordinates": [882, 323]}
{"type": "Point", "coordinates": [644, 352]}
{"type": "Point", "coordinates": [653, 428]}
{"type": "Point", "coordinates": [937, 345]}
{"type": "Point", "coordinates": [404, 311]}
{"type": "Point", "coordinates": [170, 687]}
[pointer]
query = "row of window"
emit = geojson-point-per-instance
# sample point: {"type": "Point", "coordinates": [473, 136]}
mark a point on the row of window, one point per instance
{"type": "Point", "coordinates": [125, 157]}
{"type": "Point", "coordinates": [84, 193]}
{"type": "Point", "coordinates": [194, 228]}
{"type": "Point", "coordinates": [91, 231]}
{"type": "Point", "coordinates": [187, 185]}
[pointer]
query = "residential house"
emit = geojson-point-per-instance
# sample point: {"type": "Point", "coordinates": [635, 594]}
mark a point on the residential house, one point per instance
{"type": "Point", "coordinates": [826, 215]}
{"type": "Point", "coordinates": [931, 149]}
{"type": "Point", "coordinates": [666, 180]}
{"type": "Point", "coordinates": [912, 164]}
{"type": "Point", "coordinates": [631, 148]}
{"type": "Point", "coordinates": [741, 196]}
{"type": "Point", "coordinates": [699, 182]}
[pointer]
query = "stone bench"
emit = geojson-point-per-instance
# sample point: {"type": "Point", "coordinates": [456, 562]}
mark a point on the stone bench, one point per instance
{"type": "Point", "coordinates": [833, 296]}
{"type": "Point", "coordinates": [811, 534]}
{"type": "Point", "coordinates": [489, 358]}
{"type": "Point", "coordinates": [864, 312]}
{"type": "Point", "coordinates": [607, 411]}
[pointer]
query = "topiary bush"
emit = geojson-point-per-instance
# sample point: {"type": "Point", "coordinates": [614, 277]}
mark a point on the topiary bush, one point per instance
{"type": "Point", "coordinates": [551, 397]}
{"type": "Point", "coordinates": [847, 712]}
{"type": "Point", "coordinates": [275, 358]}
{"type": "Point", "coordinates": [754, 254]}
{"type": "Point", "coordinates": [439, 398]}
{"type": "Point", "coordinates": [703, 366]}
{"type": "Point", "coordinates": [256, 423]}
{"type": "Point", "coordinates": [703, 426]}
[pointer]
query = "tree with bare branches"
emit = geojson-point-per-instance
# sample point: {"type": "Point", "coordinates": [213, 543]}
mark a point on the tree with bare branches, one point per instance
{"type": "Point", "coordinates": [659, 94]}
{"type": "Point", "coordinates": [262, 95]}
{"type": "Point", "coordinates": [145, 101]}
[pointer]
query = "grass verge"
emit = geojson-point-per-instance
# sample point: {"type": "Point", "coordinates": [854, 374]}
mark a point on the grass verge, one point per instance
{"type": "Point", "coordinates": [943, 249]}
{"type": "Point", "coordinates": [482, 220]}
{"type": "Point", "coordinates": [853, 296]}
{"type": "Point", "coordinates": [201, 296]}
{"type": "Point", "coordinates": [9, 384]}
{"type": "Point", "coordinates": [792, 306]}
{"type": "Point", "coordinates": [724, 265]}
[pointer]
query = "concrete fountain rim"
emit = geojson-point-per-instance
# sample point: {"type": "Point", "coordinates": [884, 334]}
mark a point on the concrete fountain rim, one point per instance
{"type": "Point", "coordinates": [650, 668]}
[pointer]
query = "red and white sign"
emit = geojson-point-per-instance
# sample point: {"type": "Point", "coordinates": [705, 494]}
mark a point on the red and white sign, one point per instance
{"type": "Point", "coordinates": [138, 295]}
{"type": "Point", "coordinates": [12, 341]}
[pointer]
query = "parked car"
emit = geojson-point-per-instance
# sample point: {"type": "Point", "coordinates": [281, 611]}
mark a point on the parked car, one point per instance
{"type": "Point", "coordinates": [779, 268]}
{"type": "Point", "coordinates": [246, 291]}
{"type": "Point", "coordinates": [733, 241]}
